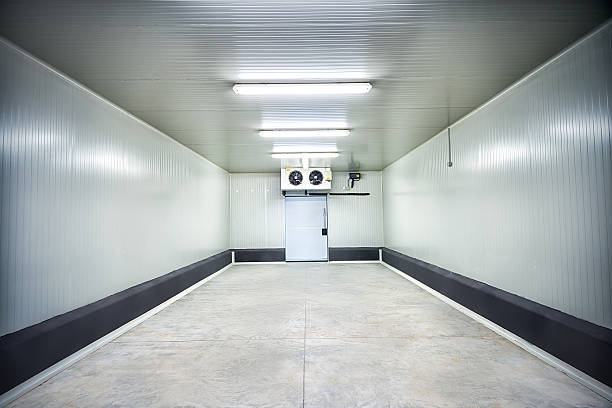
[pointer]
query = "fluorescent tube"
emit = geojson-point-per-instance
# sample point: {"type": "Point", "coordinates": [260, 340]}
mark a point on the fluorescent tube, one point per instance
{"type": "Point", "coordinates": [334, 88]}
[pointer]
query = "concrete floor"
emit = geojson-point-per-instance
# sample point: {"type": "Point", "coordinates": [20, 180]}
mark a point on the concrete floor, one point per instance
{"type": "Point", "coordinates": [319, 335]}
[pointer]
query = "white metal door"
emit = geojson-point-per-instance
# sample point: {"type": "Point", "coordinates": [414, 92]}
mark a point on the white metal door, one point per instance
{"type": "Point", "coordinates": [306, 228]}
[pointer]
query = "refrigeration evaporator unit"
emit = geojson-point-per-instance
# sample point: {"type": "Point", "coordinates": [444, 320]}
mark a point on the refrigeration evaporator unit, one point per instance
{"type": "Point", "coordinates": [306, 179]}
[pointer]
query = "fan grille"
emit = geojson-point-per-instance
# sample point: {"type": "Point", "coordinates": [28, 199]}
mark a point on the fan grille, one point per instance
{"type": "Point", "coordinates": [295, 178]}
{"type": "Point", "coordinates": [316, 177]}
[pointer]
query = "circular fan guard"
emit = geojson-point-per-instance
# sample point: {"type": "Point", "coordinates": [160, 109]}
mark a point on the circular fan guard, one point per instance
{"type": "Point", "coordinates": [295, 178]}
{"type": "Point", "coordinates": [316, 177]}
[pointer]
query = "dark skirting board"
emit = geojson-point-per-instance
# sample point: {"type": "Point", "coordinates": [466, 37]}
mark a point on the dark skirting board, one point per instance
{"type": "Point", "coordinates": [278, 254]}
{"type": "Point", "coordinates": [29, 351]}
{"type": "Point", "coordinates": [353, 254]}
{"type": "Point", "coordinates": [583, 345]}
{"type": "Point", "coordinates": [259, 255]}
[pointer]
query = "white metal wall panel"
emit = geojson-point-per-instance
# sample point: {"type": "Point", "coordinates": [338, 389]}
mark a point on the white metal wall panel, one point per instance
{"type": "Point", "coordinates": [356, 220]}
{"type": "Point", "coordinates": [93, 201]}
{"type": "Point", "coordinates": [527, 205]}
{"type": "Point", "coordinates": [257, 211]}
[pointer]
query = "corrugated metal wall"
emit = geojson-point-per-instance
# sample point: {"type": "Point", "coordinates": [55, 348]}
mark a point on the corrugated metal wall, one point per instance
{"type": "Point", "coordinates": [356, 220]}
{"type": "Point", "coordinates": [258, 211]}
{"type": "Point", "coordinates": [92, 200]}
{"type": "Point", "coordinates": [527, 205]}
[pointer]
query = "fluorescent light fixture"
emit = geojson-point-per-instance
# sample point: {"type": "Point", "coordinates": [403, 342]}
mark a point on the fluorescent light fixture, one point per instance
{"type": "Point", "coordinates": [304, 155]}
{"type": "Point", "coordinates": [305, 133]}
{"type": "Point", "coordinates": [297, 148]}
{"type": "Point", "coordinates": [334, 88]}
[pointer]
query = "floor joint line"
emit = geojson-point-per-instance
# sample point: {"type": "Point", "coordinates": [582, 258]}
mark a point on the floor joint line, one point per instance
{"type": "Point", "coordinates": [304, 361]}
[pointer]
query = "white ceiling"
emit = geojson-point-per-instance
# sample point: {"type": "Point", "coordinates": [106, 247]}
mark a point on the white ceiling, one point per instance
{"type": "Point", "coordinates": [172, 63]}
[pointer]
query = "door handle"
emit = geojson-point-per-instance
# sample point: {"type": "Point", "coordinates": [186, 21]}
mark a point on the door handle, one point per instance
{"type": "Point", "coordinates": [324, 218]}
{"type": "Point", "coordinates": [324, 230]}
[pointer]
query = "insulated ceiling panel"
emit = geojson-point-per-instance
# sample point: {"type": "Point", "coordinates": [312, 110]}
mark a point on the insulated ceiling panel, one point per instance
{"type": "Point", "coordinates": [173, 63]}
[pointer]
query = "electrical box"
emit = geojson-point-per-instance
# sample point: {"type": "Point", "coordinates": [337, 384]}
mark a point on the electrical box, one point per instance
{"type": "Point", "coordinates": [306, 179]}
{"type": "Point", "coordinates": [355, 176]}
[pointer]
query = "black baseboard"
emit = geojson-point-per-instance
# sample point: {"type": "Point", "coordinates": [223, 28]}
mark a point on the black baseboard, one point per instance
{"type": "Point", "coordinates": [29, 351]}
{"type": "Point", "coordinates": [353, 254]}
{"type": "Point", "coordinates": [278, 254]}
{"type": "Point", "coordinates": [259, 255]}
{"type": "Point", "coordinates": [584, 345]}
